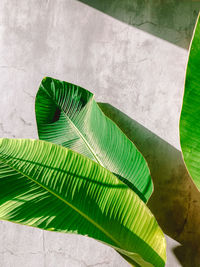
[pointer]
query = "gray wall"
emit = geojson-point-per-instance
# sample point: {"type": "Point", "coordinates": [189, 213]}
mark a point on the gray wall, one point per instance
{"type": "Point", "coordinates": [132, 55]}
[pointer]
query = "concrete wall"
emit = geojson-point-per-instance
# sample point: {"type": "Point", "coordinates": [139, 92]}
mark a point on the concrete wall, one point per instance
{"type": "Point", "coordinates": [132, 55]}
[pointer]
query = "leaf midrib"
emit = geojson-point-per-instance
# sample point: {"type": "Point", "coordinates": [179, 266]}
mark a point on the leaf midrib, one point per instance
{"type": "Point", "coordinates": [76, 129]}
{"type": "Point", "coordinates": [66, 202]}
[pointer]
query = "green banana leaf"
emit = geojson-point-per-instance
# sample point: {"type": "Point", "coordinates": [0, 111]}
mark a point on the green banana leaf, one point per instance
{"type": "Point", "coordinates": [51, 187]}
{"type": "Point", "coordinates": [68, 115]}
{"type": "Point", "coordinates": [190, 114]}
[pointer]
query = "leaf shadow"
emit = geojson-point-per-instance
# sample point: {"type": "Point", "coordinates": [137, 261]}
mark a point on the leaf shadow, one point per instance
{"type": "Point", "coordinates": [176, 200]}
{"type": "Point", "coordinates": [172, 21]}
{"type": "Point", "coordinates": [187, 256]}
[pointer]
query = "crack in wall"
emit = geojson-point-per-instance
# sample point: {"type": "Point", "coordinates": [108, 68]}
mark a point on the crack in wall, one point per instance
{"type": "Point", "coordinates": [25, 122]}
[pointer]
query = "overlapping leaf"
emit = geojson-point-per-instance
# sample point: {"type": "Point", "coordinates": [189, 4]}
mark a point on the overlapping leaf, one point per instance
{"type": "Point", "coordinates": [48, 186]}
{"type": "Point", "coordinates": [69, 116]}
{"type": "Point", "coordinates": [190, 114]}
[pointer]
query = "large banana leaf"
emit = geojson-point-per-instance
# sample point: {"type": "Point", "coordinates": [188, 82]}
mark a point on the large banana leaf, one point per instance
{"type": "Point", "coordinates": [190, 114]}
{"type": "Point", "coordinates": [68, 115]}
{"type": "Point", "coordinates": [48, 186]}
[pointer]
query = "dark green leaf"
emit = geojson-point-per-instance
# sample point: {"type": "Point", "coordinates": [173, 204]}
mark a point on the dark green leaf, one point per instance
{"type": "Point", "coordinates": [190, 114]}
{"type": "Point", "coordinates": [69, 116]}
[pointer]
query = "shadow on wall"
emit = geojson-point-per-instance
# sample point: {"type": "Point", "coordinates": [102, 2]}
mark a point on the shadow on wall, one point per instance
{"type": "Point", "coordinates": [175, 201]}
{"type": "Point", "coordinates": [171, 20]}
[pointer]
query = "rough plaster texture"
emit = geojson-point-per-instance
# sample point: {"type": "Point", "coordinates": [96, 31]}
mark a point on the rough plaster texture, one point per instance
{"type": "Point", "coordinates": [132, 55]}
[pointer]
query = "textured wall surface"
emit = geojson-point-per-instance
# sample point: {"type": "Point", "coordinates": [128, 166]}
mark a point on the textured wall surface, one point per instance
{"type": "Point", "coordinates": [132, 55]}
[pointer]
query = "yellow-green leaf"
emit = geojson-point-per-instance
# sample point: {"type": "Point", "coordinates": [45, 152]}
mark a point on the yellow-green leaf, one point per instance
{"type": "Point", "coordinates": [51, 187]}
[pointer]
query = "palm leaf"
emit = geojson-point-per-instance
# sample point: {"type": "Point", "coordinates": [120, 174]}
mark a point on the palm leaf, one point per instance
{"type": "Point", "coordinates": [68, 115]}
{"type": "Point", "coordinates": [48, 186]}
{"type": "Point", "coordinates": [190, 114]}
